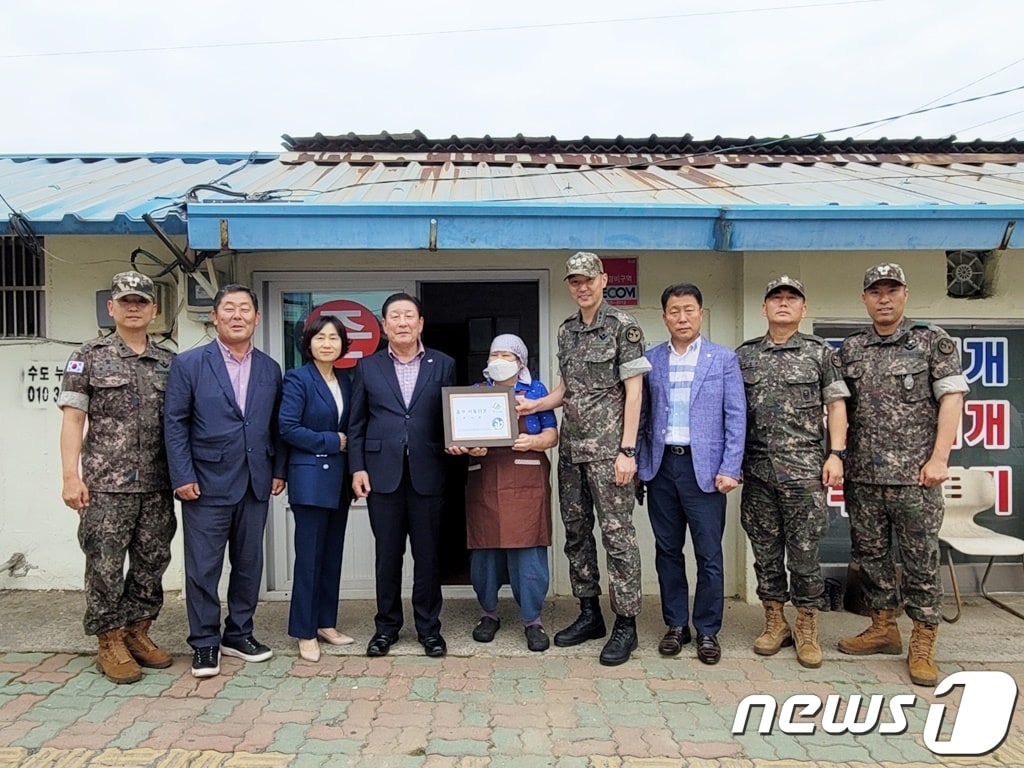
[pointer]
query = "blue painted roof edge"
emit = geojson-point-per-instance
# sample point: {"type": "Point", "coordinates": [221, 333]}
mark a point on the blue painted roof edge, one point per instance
{"type": "Point", "coordinates": [523, 226]}
{"type": "Point", "coordinates": [172, 224]}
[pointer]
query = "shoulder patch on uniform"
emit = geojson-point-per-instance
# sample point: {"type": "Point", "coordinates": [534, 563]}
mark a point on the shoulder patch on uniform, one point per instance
{"type": "Point", "coordinates": [633, 334]}
{"type": "Point", "coordinates": [74, 366]}
{"type": "Point", "coordinates": [946, 345]}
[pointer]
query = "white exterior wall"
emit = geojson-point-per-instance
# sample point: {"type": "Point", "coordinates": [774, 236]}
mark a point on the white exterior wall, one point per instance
{"type": "Point", "coordinates": [34, 521]}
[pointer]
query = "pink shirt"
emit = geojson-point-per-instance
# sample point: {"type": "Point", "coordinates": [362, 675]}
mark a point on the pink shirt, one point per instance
{"type": "Point", "coordinates": [407, 372]}
{"type": "Point", "coordinates": [238, 373]}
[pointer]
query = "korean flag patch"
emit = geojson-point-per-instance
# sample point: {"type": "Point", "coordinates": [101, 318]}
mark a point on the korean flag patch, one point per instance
{"type": "Point", "coordinates": [75, 366]}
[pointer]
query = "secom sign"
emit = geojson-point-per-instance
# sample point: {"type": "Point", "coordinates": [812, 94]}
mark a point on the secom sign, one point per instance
{"type": "Point", "coordinates": [981, 724]}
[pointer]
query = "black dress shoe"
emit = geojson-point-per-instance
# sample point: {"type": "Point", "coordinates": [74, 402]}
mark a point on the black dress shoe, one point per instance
{"type": "Point", "coordinates": [708, 649]}
{"type": "Point", "coordinates": [486, 629]}
{"type": "Point", "coordinates": [674, 640]}
{"type": "Point", "coordinates": [380, 644]}
{"type": "Point", "coordinates": [434, 646]}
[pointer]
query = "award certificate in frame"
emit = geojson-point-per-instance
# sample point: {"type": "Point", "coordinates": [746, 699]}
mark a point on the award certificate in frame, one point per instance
{"type": "Point", "coordinates": [480, 416]}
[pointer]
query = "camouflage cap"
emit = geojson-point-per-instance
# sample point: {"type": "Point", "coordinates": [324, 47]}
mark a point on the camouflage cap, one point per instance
{"type": "Point", "coordinates": [583, 263]}
{"type": "Point", "coordinates": [784, 281]}
{"type": "Point", "coordinates": [131, 284]}
{"type": "Point", "coordinates": [887, 271]}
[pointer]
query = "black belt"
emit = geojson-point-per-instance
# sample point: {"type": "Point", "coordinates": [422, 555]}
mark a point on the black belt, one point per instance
{"type": "Point", "coordinates": [678, 450]}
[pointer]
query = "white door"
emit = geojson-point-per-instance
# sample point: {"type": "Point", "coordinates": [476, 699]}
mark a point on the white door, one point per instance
{"type": "Point", "coordinates": [357, 300]}
{"type": "Point", "coordinates": [357, 297]}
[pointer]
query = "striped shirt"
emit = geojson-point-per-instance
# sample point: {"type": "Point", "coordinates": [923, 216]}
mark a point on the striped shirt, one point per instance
{"type": "Point", "coordinates": [407, 373]}
{"type": "Point", "coordinates": [680, 377]}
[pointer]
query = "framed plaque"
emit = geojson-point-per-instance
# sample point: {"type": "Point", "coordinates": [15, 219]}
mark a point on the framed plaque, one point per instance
{"type": "Point", "coordinates": [480, 416]}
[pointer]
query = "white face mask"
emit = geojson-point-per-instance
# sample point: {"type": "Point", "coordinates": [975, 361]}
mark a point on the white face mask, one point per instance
{"type": "Point", "coordinates": [500, 370]}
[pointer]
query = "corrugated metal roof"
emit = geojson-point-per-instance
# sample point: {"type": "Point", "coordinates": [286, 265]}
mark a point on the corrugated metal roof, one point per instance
{"type": "Point", "coordinates": [110, 193]}
{"type": "Point", "coordinates": [841, 180]}
{"type": "Point", "coordinates": [653, 144]}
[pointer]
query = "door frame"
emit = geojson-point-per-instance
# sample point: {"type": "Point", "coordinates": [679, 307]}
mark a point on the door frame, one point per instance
{"type": "Point", "coordinates": [270, 286]}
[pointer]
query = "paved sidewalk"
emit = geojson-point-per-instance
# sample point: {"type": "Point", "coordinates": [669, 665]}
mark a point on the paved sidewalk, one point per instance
{"type": "Point", "coordinates": [481, 706]}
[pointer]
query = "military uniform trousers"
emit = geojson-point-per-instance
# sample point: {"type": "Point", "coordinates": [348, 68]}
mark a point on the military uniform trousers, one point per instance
{"type": "Point", "coordinates": [582, 488]}
{"type": "Point", "coordinates": [914, 514]}
{"type": "Point", "coordinates": [141, 526]}
{"type": "Point", "coordinates": [676, 503]}
{"type": "Point", "coordinates": [785, 523]}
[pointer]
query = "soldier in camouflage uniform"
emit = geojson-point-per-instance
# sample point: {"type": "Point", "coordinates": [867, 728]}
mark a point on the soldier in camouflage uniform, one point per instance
{"type": "Point", "coordinates": [601, 362]}
{"type": "Point", "coordinates": [116, 385]}
{"type": "Point", "coordinates": [907, 390]}
{"type": "Point", "coordinates": [788, 377]}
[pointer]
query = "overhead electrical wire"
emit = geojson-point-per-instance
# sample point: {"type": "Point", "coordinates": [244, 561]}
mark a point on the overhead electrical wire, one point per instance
{"type": "Point", "coordinates": [431, 33]}
{"type": "Point", "coordinates": [989, 122]}
{"type": "Point", "coordinates": [957, 90]}
{"type": "Point", "coordinates": [278, 194]}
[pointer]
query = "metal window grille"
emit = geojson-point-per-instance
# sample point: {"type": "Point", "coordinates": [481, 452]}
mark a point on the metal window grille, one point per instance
{"type": "Point", "coordinates": [22, 291]}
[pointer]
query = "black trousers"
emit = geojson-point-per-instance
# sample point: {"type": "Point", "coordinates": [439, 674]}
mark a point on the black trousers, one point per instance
{"type": "Point", "coordinates": [395, 517]}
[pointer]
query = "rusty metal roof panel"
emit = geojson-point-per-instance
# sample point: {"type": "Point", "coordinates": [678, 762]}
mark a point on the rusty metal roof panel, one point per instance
{"type": "Point", "coordinates": [110, 193]}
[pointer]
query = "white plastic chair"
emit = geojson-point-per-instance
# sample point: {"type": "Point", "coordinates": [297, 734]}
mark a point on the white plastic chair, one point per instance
{"type": "Point", "coordinates": [966, 493]}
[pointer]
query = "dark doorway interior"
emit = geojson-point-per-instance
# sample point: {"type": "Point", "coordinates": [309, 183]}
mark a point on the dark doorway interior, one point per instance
{"type": "Point", "coordinates": [461, 319]}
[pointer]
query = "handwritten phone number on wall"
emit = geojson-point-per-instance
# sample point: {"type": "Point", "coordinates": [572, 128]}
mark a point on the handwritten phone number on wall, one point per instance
{"type": "Point", "coordinates": [41, 384]}
{"type": "Point", "coordinates": [40, 395]}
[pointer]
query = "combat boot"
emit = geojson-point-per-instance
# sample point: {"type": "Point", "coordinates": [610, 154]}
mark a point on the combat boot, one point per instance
{"type": "Point", "coordinates": [114, 660]}
{"type": "Point", "coordinates": [921, 656]}
{"type": "Point", "coordinates": [883, 636]}
{"type": "Point", "coordinates": [622, 642]}
{"type": "Point", "coordinates": [808, 651]}
{"type": "Point", "coordinates": [589, 625]}
{"type": "Point", "coordinates": [776, 632]}
{"type": "Point", "coordinates": [143, 649]}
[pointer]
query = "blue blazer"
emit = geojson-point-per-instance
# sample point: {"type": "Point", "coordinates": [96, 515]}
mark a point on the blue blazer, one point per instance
{"type": "Point", "coordinates": [209, 440]}
{"type": "Point", "coordinates": [718, 415]}
{"type": "Point", "coordinates": [382, 429]}
{"type": "Point", "coordinates": [317, 469]}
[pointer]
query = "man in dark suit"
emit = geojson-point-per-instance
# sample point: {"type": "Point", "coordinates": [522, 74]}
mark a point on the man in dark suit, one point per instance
{"type": "Point", "coordinates": [396, 441]}
{"type": "Point", "coordinates": [226, 459]}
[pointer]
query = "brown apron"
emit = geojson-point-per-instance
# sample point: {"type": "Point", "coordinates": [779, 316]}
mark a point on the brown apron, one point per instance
{"type": "Point", "coordinates": [508, 500]}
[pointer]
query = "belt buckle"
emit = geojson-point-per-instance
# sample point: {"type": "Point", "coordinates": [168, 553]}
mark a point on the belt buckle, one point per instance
{"type": "Point", "coordinates": [678, 450]}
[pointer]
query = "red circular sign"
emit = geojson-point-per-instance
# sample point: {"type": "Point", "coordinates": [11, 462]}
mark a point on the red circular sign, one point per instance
{"type": "Point", "coordinates": [361, 326]}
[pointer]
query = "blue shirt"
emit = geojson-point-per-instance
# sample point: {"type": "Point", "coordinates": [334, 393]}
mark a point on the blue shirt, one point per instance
{"type": "Point", "coordinates": [541, 420]}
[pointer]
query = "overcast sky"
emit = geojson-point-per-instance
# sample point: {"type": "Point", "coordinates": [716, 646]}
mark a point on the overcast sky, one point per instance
{"type": "Point", "coordinates": [232, 76]}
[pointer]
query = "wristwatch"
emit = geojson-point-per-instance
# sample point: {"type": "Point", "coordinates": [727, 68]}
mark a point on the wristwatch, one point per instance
{"type": "Point", "coordinates": [629, 452]}
{"type": "Point", "coordinates": [840, 453]}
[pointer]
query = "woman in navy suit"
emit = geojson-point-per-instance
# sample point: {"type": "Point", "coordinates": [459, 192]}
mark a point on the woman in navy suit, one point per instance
{"type": "Point", "coordinates": [313, 420]}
